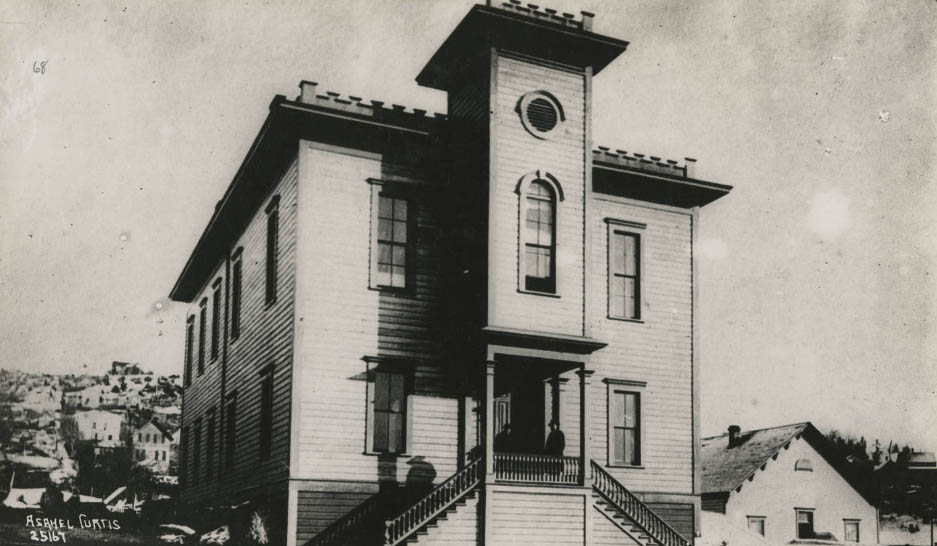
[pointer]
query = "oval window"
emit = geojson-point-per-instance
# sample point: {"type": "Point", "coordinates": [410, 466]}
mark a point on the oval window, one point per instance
{"type": "Point", "coordinates": [541, 114]}
{"type": "Point", "coordinates": [803, 465]}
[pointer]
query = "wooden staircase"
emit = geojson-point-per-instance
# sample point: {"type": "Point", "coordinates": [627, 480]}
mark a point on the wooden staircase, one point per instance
{"type": "Point", "coordinates": [455, 501]}
{"type": "Point", "coordinates": [457, 527]}
{"type": "Point", "coordinates": [630, 514]}
{"type": "Point", "coordinates": [428, 509]}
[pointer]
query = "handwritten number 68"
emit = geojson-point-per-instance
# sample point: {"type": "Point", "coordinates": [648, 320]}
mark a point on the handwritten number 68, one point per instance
{"type": "Point", "coordinates": [41, 68]}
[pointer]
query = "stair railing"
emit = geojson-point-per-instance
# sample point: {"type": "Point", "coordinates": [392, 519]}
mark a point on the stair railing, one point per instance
{"type": "Point", "coordinates": [352, 521]}
{"type": "Point", "coordinates": [634, 509]}
{"type": "Point", "coordinates": [437, 501]}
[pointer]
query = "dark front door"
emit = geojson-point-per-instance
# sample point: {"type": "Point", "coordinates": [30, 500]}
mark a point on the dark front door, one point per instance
{"type": "Point", "coordinates": [527, 416]}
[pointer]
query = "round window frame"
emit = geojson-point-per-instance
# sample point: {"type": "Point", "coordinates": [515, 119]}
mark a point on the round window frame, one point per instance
{"type": "Point", "coordinates": [524, 103]}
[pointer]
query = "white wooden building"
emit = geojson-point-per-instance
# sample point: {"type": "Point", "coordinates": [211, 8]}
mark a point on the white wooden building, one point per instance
{"type": "Point", "coordinates": [784, 484]}
{"type": "Point", "coordinates": [380, 292]}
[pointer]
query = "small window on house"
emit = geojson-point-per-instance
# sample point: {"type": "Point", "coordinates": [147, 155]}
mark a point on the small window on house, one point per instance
{"type": "Point", "coordinates": [201, 336]}
{"type": "Point", "coordinates": [392, 242]}
{"type": "Point", "coordinates": [273, 227]}
{"type": "Point", "coordinates": [803, 465]}
{"type": "Point", "coordinates": [805, 524]}
{"type": "Point", "coordinates": [230, 424]}
{"type": "Point", "coordinates": [189, 341]}
{"type": "Point", "coordinates": [541, 114]}
{"type": "Point", "coordinates": [624, 269]}
{"type": "Point", "coordinates": [184, 449]}
{"type": "Point", "coordinates": [539, 238]}
{"type": "Point", "coordinates": [210, 446]}
{"type": "Point", "coordinates": [756, 524]}
{"type": "Point", "coordinates": [624, 275]}
{"type": "Point", "coordinates": [236, 296]}
{"type": "Point", "coordinates": [266, 413]}
{"type": "Point", "coordinates": [624, 422]}
{"type": "Point", "coordinates": [197, 452]}
{"type": "Point", "coordinates": [627, 428]}
{"type": "Point", "coordinates": [215, 318]}
{"type": "Point", "coordinates": [388, 404]}
{"type": "Point", "coordinates": [851, 533]}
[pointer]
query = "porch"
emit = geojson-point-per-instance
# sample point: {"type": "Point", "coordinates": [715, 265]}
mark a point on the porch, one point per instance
{"type": "Point", "coordinates": [536, 417]}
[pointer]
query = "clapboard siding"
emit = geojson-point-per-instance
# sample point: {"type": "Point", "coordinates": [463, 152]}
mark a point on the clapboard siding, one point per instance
{"type": "Point", "coordinates": [679, 516]}
{"type": "Point", "coordinates": [515, 153]}
{"type": "Point", "coordinates": [265, 339]}
{"type": "Point", "coordinates": [318, 509]}
{"type": "Point", "coordinates": [342, 320]}
{"type": "Point", "coordinates": [658, 351]}
{"type": "Point", "coordinates": [528, 518]}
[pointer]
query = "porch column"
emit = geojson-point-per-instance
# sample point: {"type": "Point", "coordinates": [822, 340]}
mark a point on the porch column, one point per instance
{"type": "Point", "coordinates": [489, 421]}
{"type": "Point", "coordinates": [585, 451]}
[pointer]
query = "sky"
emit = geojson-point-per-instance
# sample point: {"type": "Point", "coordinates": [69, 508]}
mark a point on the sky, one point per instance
{"type": "Point", "coordinates": [818, 298]}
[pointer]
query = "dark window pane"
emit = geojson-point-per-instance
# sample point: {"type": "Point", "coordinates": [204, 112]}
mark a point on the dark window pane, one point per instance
{"type": "Point", "coordinates": [400, 209]}
{"type": "Point", "coordinates": [385, 229]}
{"type": "Point", "coordinates": [385, 207]}
{"type": "Point", "coordinates": [394, 433]}
{"type": "Point", "coordinates": [380, 431]}
{"type": "Point", "coordinates": [618, 445]}
{"type": "Point", "coordinates": [381, 392]}
{"type": "Point", "coordinates": [400, 231]}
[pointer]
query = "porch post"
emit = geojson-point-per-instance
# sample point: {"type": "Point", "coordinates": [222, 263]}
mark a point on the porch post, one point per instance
{"type": "Point", "coordinates": [489, 420]}
{"type": "Point", "coordinates": [585, 452]}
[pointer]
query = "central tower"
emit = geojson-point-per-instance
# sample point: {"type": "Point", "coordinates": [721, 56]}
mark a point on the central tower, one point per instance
{"type": "Point", "coordinates": [518, 80]}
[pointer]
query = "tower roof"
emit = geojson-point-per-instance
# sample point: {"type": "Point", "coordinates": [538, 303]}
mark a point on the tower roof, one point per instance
{"type": "Point", "coordinates": [522, 29]}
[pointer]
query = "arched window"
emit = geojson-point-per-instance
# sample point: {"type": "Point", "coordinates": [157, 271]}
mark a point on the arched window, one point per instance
{"type": "Point", "coordinates": [540, 237]}
{"type": "Point", "coordinates": [803, 465]}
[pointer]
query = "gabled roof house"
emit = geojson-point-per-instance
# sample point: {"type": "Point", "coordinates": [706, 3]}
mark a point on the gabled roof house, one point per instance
{"type": "Point", "coordinates": [785, 484]}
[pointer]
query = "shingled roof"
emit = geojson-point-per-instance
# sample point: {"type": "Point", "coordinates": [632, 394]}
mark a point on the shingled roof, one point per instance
{"type": "Point", "coordinates": [726, 468]}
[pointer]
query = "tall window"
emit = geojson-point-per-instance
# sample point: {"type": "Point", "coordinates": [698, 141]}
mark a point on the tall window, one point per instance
{"type": "Point", "coordinates": [185, 449]}
{"type": "Point", "coordinates": [389, 412]}
{"type": "Point", "coordinates": [851, 533]}
{"type": "Point", "coordinates": [236, 296]}
{"type": "Point", "coordinates": [230, 424]}
{"type": "Point", "coordinates": [189, 341]}
{"type": "Point", "coordinates": [625, 417]}
{"type": "Point", "coordinates": [273, 227]}
{"type": "Point", "coordinates": [197, 452]}
{"type": "Point", "coordinates": [539, 238]}
{"type": "Point", "coordinates": [805, 524]}
{"type": "Point", "coordinates": [392, 237]}
{"type": "Point", "coordinates": [210, 445]}
{"type": "Point", "coordinates": [266, 413]}
{"type": "Point", "coordinates": [756, 524]}
{"type": "Point", "coordinates": [215, 318]}
{"type": "Point", "coordinates": [201, 336]}
{"type": "Point", "coordinates": [624, 275]}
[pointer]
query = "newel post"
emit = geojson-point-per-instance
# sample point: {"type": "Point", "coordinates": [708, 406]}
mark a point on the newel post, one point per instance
{"type": "Point", "coordinates": [585, 451]}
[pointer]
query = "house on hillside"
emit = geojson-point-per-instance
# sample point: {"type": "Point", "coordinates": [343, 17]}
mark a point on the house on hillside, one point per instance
{"type": "Point", "coordinates": [153, 445]}
{"type": "Point", "coordinates": [784, 484]}
{"type": "Point", "coordinates": [101, 426]}
{"type": "Point", "coordinates": [380, 294]}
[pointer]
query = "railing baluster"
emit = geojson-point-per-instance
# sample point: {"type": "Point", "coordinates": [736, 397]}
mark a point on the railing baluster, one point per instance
{"type": "Point", "coordinates": [633, 508]}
